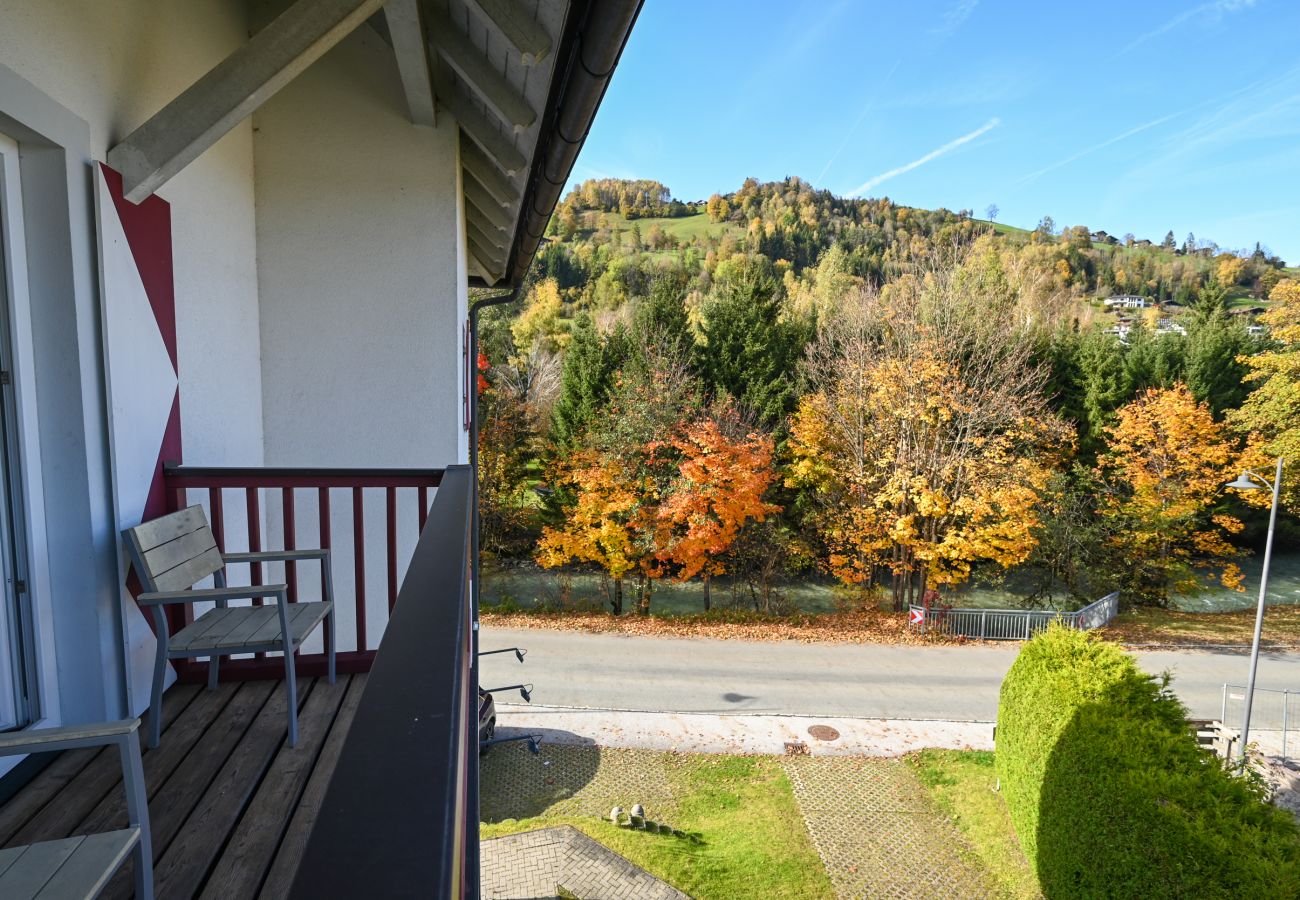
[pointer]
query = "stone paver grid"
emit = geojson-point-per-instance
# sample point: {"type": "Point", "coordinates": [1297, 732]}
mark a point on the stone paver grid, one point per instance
{"type": "Point", "coordinates": [537, 863]}
{"type": "Point", "coordinates": [878, 833]}
{"type": "Point", "coordinates": [572, 780]}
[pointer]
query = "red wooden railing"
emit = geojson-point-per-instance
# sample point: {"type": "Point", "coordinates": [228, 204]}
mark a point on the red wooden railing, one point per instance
{"type": "Point", "coordinates": [277, 490]}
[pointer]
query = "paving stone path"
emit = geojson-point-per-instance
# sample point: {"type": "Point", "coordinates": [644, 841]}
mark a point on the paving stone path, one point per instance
{"type": "Point", "coordinates": [572, 781]}
{"type": "Point", "coordinates": [877, 831]}
{"type": "Point", "coordinates": [541, 863]}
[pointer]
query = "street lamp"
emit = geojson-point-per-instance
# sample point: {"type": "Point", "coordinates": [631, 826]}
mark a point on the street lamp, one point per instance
{"type": "Point", "coordinates": [1249, 481]}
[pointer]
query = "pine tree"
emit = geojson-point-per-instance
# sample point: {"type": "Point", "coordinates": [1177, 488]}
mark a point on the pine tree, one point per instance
{"type": "Point", "coordinates": [589, 366]}
{"type": "Point", "coordinates": [750, 351]}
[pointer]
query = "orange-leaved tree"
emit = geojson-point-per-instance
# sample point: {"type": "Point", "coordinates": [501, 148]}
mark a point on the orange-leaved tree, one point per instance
{"type": "Point", "coordinates": [1163, 469]}
{"type": "Point", "coordinates": [720, 486]}
{"type": "Point", "coordinates": [605, 523]}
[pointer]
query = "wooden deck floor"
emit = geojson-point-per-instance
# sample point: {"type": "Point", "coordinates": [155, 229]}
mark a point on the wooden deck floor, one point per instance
{"type": "Point", "coordinates": [230, 803]}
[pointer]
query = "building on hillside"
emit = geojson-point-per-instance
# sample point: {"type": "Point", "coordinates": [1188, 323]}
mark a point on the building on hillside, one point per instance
{"type": "Point", "coordinates": [1169, 326]}
{"type": "Point", "coordinates": [1126, 301]}
{"type": "Point", "coordinates": [237, 244]}
{"type": "Point", "coordinates": [1101, 237]}
{"type": "Point", "coordinates": [1143, 242]}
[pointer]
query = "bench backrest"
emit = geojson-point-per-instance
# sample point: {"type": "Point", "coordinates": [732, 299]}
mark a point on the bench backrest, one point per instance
{"type": "Point", "coordinates": [175, 551]}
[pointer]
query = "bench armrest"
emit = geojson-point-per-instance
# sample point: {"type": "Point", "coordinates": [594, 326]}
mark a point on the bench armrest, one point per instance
{"type": "Point", "coordinates": [274, 556]}
{"type": "Point", "coordinates": [68, 737]}
{"type": "Point", "coordinates": [246, 592]}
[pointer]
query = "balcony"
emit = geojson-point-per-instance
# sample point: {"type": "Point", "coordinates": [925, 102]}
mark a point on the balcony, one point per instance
{"type": "Point", "coordinates": [380, 795]}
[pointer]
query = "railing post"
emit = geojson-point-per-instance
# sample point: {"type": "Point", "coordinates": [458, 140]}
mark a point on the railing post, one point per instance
{"type": "Point", "coordinates": [984, 620]}
{"type": "Point", "coordinates": [1223, 708]}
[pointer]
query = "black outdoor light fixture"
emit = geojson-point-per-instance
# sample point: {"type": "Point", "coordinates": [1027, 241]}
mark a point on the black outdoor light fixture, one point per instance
{"type": "Point", "coordinates": [525, 690]}
{"type": "Point", "coordinates": [518, 652]}
{"type": "Point", "coordinates": [534, 742]}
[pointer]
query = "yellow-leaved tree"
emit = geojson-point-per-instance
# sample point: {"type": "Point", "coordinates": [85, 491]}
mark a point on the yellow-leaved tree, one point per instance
{"type": "Point", "coordinates": [1163, 469]}
{"type": "Point", "coordinates": [1272, 410]}
{"type": "Point", "coordinates": [926, 441]}
{"type": "Point", "coordinates": [603, 524]}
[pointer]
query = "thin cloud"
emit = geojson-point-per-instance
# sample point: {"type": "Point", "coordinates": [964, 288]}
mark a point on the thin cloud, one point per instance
{"type": "Point", "coordinates": [1033, 176]}
{"type": "Point", "coordinates": [1215, 9]}
{"type": "Point", "coordinates": [932, 155]}
{"type": "Point", "coordinates": [954, 17]}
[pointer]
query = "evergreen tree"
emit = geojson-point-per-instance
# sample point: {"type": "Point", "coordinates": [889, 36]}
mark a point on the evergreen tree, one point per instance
{"type": "Point", "coordinates": [750, 351]}
{"type": "Point", "coordinates": [1214, 372]}
{"type": "Point", "coordinates": [1105, 387]}
{"type": "Point", "coordinates": [589, 366]}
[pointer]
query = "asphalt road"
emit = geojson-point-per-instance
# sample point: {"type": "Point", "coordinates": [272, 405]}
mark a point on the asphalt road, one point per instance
{"type": "Point", "coordinates": [610, 671]}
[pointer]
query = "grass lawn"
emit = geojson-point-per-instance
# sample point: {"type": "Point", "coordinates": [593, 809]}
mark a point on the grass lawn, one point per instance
{"type": "Point", "coordinates": [962, 784]}
{"type": "Point", "coordinates": [684, 228]}
{"type": "Point", "coordinates": [751, 839]}
{"type": "Point", "coordinates": [1174, 627]}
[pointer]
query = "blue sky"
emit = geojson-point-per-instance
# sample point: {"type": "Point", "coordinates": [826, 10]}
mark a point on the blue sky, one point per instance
{"type": "Point", "coordinates": [1138, 116]}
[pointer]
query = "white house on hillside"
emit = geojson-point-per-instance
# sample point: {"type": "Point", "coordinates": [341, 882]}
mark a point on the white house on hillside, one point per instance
{"type": "Point", "coordinates": [1125, 301]}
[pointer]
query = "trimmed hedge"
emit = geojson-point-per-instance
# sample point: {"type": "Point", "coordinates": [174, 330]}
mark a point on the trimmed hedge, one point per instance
{"type": "Point", "coordinates": [1110, 794]}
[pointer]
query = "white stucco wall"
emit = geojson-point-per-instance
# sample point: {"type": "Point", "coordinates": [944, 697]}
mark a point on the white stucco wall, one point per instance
{"type": "Point", "coordinates": [359, 270]}
{"type": "Point", "coordinates": [114, 63]}
{"type": "Point", "coordinates": [108, 65]}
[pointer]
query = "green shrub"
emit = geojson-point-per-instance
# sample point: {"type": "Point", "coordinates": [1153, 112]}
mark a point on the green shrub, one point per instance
{"type": "Point", "coordinates": [1110, 794]}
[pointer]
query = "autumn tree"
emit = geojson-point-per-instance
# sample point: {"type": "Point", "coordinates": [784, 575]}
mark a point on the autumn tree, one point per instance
{"type": "Point", "coordinates": [1272, 410]}
{"type": "Point", "coordinates": [1162, 475]}
{"type": "Point", "coordinates": [602, 525]}
{"type": "Point", "coordinates": [540, 321]}
{"type": "Point", "coordinates": [720, 486]}
{"type": "Point", "coordinates": [507, 441]}
{"type": "Point", "coordinates": [927, 438]}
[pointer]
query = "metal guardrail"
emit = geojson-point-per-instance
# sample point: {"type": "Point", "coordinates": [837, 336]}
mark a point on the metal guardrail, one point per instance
{"type": "Point", "coordinates": [1271, 717]}
{"type": "Point", "coordinates": [399, 818]}
{"type": "Point", "coordinates": [1008, 624]}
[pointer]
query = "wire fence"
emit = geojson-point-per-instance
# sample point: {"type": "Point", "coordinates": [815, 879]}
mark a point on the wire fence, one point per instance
{"type": "Point", "coordinates": [1008, 624]}
{"type": "Point", "coordinates": [1273, 722]}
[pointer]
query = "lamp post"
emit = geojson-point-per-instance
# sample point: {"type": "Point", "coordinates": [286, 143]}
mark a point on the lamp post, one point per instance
{"type": "Point", "coordinates": [1249, 481]}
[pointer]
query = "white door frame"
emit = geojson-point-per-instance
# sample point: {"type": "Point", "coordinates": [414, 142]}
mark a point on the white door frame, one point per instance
{"type": "Point", "coordinates": [28, 502]}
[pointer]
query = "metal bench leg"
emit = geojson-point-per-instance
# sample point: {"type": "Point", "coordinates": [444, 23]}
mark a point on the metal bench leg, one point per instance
{"type": "Point", "coordinates": [137, 810]}
{"type": "Point", "coordinates": [330, 639]}
{"type": "Point", "coordinates": [159, 673]}
{"type": "Point", "coordinates": [290, 678]}
{"type": "Point", "coordinates": [327, 583]}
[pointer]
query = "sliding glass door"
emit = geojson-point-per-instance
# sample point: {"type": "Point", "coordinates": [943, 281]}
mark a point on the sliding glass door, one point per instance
{"type": "Point", "coordinates": [16, 656]}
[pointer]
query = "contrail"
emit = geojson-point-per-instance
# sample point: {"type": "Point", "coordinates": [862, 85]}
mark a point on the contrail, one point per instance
{"type": "Point", "coordinates": [1095, 147]}
{"type": "Point", "coordinates": [862, 115]}
{"type": "Point", "coordinates": [933, 154]}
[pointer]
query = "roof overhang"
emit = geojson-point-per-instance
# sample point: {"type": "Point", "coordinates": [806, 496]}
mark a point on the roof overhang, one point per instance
{"type": "Point", "coordinates": [521, 78]}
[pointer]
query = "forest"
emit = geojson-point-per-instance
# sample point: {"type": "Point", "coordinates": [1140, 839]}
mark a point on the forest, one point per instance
{"type": "Point", "coordinates": [777, 383]}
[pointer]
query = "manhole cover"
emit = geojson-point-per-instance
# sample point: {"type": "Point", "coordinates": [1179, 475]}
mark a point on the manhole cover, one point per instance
{"type": "Point", "coordinates": [824, 732]}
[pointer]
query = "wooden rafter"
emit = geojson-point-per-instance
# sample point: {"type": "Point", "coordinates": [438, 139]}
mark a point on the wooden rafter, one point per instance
{"type": "Point", "coordinates": [407, 34]}
{"type": "Point", "coordinates": [516, 24]}
{"type": "Point", "coordinates": [497, 93]}
{"type": "Point", "coordinates": [178, 133]}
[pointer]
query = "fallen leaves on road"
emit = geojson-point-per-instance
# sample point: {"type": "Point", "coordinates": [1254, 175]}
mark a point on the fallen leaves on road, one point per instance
{"type": "Point", "coordinates": [863, 627]}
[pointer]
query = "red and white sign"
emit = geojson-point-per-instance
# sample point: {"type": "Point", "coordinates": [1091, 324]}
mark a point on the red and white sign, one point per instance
{"type": "Point", "coordinates": [916, 617]}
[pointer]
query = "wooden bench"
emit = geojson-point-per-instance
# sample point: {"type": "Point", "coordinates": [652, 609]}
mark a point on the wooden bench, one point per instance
{"type": "Point", "coordinates": [172, 554]}
{"type": "Point", "coordinates": [79, 867]}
